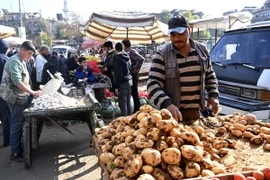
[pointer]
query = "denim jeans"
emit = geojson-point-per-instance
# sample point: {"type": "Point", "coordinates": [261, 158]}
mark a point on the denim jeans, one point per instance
{"type": "Point", "coordinates": [5, 118]}
{"type": "Point", "coordinates": [134, 91]}
{"type": "Point", "coordinates": [16, 125]}
{"type": "Point", "coordinates": [124, 99]}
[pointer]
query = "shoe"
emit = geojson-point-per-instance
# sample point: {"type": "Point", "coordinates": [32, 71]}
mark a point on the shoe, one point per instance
{"type": "Point", "coordinates": [17, 157]}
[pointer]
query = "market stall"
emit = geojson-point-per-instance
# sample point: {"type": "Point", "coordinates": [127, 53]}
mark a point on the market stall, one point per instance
{"type": "Point", "coordinates": [150, 144]}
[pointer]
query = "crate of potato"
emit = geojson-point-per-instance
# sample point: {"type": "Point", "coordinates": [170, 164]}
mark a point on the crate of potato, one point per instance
{"type": "Point", "coordinates": [151, 145]}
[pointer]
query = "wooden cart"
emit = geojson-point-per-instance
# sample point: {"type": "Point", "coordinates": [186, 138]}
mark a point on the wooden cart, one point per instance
{"type": "Point", "coordinates": [34, 121]}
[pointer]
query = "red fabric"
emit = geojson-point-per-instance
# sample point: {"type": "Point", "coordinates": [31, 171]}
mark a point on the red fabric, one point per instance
{"type": "Point", "coordinates": [108, 93]}
{"type": "Point", "coordinates": [93, 66]}
{"type": "Point", "coordinates": [144, 94]}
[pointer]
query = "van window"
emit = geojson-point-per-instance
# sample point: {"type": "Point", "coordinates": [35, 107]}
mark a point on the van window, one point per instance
{"type": "Point", "coordinates": [251, 48]}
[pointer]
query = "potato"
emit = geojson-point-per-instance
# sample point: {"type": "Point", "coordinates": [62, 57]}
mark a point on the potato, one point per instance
{"type": "Point", "coordinates": [199, 130]}
{"type": "Point", "coordinates": [175, 133]}
{"type": "Point", "coordinates": [165, 114]}
{"type": "Point", "coordinates": [156, 117]}
{"type": "Point", "coordinates": [206, 173]}
{"type": "Point", "coordinates": [248, 135]}
{"type": "Point", "coordinates": [223, 151]}
{"type": "Point", "coordinates": [144, 143]}
{"type": "Point", "coordinates": [147, 123]}
{"type": "Point", "coordinates": [215, 156]}
{"type": "Point", "coordinates": [256, 140]}
{"type": "Point", "coordinates": [142, 115]}
{"type": "Point", "coordinates": [161, 145]}
{"type": "Point", "coordinates": [236, 133]}
{"type": "Point", "coordinates": [119, 162]}
{"type": "Point", "coordinates": [250, 118]}
{"type": "Point", "coordinates": [128, 139]}
{"type": "Point", "coordinates": [146, 169]}
{"type": "Point", "coordinates": [133, 165]}
{"type": "Point", "coordinates": [218, 170]}
{"type": "Point", "coordinates": [170, 140]}
{"type": "Point", "coordinates": [175, 171]}
{"type": "Point", "coordinates": [266, 147]}
{"type": "Point", "coordinates": [171, 156]}
{"type": "Point", "coordinates": [167, 125]}
{"type": "Point", "coordinates": [222, 130]}
{"type": "Point", "coordinates": [263, 136]}
{"type": "Point", "coordinates": [127, 132]}
{"type": "Point", "coordinates": [139, 137]}
{"type": "Point", "coordinates": [192, 153]}
{"type": "Point", "coordinates": [192, 169]}
{"type": "Point", "coordinates": [220, 144]}
{"type": "Point", "coordinates": [206, 163]}
{"type": "Point", "coordinates": [206, 155]}
{"type": "Point", "coordinates": [265, 130]}
{"type": "Point", "coordinates": [244, 122]}
{"type": "Point", "coordinates": [146, 108]}
{"type": "Point", "coordinates": [267, 138]}
{"type": "Point", "coordinates": [158, 174]}
{"type": "Point", "coordinates": [120, 127]}
{"type": "Point", "coordinates": [117, 150]}
{"type": "Point", "coordinates": [128, 151]}
{"type": "Point", "coordinates": [142, 131]}
{"type": "Point", "coordinates": [132, 121]}
{"type": "Point", "coordinates": [154, 134]}
{"type": "Point", "coordinates": [146, 177]}
{"type": "Point", "coordinates": [188, 128]}
{"type": "Point", "coordinates": [151, 156]}
{"type": "Point", "coordinates": [179, 141]}
{"type": "Point", "coordinates": [190, 138]}
{"type": "Point", "coordinates": [239, 127]}
{"type": "Point", "coordinates": [207, 146]}
{"type": "Point", "coordinates": [106, 157]}
{"type": "Point", "coordinates": [117, 173]}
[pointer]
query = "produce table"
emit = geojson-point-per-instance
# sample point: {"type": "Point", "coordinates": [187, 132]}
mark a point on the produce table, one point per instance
{"type": "Point", "coordinates": [245, 157]}
{"type": "Point", "coordinates": [34, 121]}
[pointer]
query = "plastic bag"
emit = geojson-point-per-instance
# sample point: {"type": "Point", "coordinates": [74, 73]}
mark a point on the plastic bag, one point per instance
{"type": "Point", "coordinates": [54, 84]}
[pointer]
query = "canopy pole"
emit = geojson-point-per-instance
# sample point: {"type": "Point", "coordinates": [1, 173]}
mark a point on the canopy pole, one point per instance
{"type": "Point", "coordinates": [127, 32]}
{"type": "Point", "coordinates": [216, 34]}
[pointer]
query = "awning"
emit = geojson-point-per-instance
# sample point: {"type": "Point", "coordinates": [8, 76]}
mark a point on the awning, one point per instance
{"type": "Point", "coordinates": [231, 21]}
{"type": "Point", "coordinates": [6, 31]}
{"type": "Point", "coordinates": [138, 27]}
{"type": "Point", "coordinates": [15, 40]}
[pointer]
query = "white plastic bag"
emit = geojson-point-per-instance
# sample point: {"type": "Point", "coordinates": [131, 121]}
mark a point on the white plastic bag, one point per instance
{"type": "Point", "coordinates": [54, 84]}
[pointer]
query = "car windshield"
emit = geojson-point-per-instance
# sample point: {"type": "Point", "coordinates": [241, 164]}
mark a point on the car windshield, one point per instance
{"type": "Point", "coordinates": [252, 48]}
{"type": "Point", "coordinates": [59, 50]}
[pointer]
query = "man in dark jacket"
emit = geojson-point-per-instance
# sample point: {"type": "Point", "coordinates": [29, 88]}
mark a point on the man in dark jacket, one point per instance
{"type": "Point", "coordinates": [122, 79]}
{"type": "Point", "coordinates": [108, 67]}
{"type": "Point", "coordinates": [4, 110]}
{"type": "Point", "coordinates": [136, 64]}
{"type": "Point", "coordinates": [54, 65]}
{"type": "Point", "coordinates": [72, 63]}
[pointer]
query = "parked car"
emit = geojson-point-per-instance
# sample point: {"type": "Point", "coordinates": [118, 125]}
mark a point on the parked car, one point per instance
{"type": "Point", "coordinates": [241, 60]}
{"type": "Point", "coordinates": [62, 48]}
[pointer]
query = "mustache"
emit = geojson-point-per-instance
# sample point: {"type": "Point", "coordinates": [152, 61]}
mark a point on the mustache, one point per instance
{"type": "Point", "coordinates": [179, 41]}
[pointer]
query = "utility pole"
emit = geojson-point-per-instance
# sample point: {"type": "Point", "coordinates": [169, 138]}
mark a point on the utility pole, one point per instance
{"type": "Point", "coordinates": [20, 11]}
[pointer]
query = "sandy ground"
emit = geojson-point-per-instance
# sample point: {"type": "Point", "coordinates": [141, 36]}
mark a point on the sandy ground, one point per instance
{"type": "Point", "coordinates": [61, 156]}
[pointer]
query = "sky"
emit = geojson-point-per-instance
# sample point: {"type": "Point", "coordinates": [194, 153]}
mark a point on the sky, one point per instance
{"type": "Point", "coordinates": [49, 8]}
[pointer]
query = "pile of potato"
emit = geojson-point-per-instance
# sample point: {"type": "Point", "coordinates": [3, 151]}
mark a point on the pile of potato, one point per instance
{"type": "Point", "coordinates": [151, 145]}
{"type": "Point", "coordinates": [246, 126]}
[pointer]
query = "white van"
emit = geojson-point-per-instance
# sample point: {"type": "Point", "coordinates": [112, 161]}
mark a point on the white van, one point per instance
{"type": "Point", "coordinates": [62, 48]}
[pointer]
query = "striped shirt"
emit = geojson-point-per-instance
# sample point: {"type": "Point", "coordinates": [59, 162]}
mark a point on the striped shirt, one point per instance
{"type": "Point", "coordinates": [190, 81]}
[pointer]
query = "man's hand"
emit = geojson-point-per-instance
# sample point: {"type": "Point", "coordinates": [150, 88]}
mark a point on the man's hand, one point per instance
{"type": "Point", "coordinates": [105, 69]}
{"type": "Point", "coordinates": [175, 112]}
{"type": "Point", "coordinates": [117, 92]}
{"type": "Point", "coordinates": [37, 93]}
{"type": "Point", "coordinates": [214, 103]}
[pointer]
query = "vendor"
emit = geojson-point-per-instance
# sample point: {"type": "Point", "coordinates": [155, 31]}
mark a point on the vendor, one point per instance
{"type": "Point", "coordinates": [84, 72]}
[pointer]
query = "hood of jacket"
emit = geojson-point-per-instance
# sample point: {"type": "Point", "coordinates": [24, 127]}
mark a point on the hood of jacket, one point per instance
{"type": "Point", "coordinates": [3, 46]}
{"type": "Point", "coordinates": [124, 56]}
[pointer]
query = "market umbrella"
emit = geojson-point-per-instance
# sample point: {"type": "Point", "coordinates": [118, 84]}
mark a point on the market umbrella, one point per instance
{"type": "Point", "coordinates": [91, 43]}
{"type": "Point", "coordinates": [139, 28]}
{"type": "Point", "coordinates": [6, 31]}
{"type": "Point", "coordinates": [15, 40]}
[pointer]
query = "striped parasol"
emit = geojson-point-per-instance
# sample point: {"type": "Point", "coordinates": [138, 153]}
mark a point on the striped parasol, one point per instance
{"type": "Point", "coordinates": [139, 28]}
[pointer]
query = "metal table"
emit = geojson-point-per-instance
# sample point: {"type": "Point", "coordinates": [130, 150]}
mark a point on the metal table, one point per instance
{"type": "Point", "coordinates": [34, 121]}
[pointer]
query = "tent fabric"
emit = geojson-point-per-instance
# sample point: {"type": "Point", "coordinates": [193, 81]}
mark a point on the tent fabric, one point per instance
{"type": "Point", "coordinates": [91, 43]}
{"type": "Point", "coordinates": [15, 40]}
{"type": "Point", "coordinates": [6, 31]}
{"type": "Point", "coordinates": [231, 21]}
{"type": "Point", "coordinates": [139, 28]}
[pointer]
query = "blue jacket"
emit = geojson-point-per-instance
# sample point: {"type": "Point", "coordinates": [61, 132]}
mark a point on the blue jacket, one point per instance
{"type": "Point", "coordinates": [3, 57]}
{"type": "Point", "coordinates": [89, 74]}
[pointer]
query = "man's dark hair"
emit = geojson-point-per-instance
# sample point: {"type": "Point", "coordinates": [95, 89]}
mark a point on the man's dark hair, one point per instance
{"type": "Point", "coordinates": [81, 59]}
{"type": "Point", "coordinates": [126, 43]}
{"type": "Point", "coordinates": [28, 46]}
{"type": "Point", "coordinates": [119, 47]}
{"type": "Point", "coordinates": [108, 44]}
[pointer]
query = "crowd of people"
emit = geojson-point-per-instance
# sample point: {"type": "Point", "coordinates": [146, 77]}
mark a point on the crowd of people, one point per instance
{"type": "Point", "coordinates": [180, 74]}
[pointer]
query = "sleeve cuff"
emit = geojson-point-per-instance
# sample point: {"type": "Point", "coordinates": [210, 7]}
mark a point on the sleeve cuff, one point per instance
{"type": "Point", "coordinates": [165, 103]}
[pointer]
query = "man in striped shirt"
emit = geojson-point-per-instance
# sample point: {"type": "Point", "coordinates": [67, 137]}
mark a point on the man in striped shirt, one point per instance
{"type": "Point", "coordinates": [180, 73]}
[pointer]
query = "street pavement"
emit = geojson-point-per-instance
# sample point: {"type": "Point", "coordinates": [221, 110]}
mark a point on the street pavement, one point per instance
{"type": "Point", "coordinates": [60, 156]}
